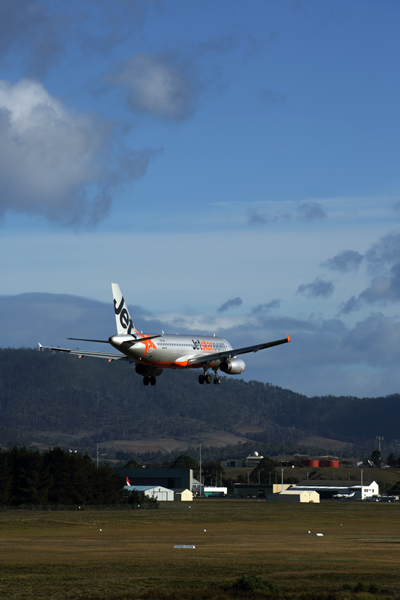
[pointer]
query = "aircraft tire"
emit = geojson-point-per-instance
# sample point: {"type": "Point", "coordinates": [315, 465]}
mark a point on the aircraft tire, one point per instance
{"type": "Point", "coordinates": [208, 378]}
{"type": "Point", "coordinates": [217, 380]}
{"type": "Point", "coordinates": [201, 379]}
{"type": "Point", "coordinates": [153, 380]}
{"type": "Point", "coordinates": [145, 380]}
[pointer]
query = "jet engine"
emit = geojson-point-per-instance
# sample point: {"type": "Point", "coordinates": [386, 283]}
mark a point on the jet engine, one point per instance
{"type": "Point", "coordinates": [233, 366]}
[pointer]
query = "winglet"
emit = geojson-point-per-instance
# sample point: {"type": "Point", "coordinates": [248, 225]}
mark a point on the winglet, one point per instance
{"type": "Point", "coordinates": [288, 338]}
{"type": "Point", "coordinates": [40, 346]}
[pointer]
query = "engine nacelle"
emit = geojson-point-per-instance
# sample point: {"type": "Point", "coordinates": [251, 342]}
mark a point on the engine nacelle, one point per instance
{"type": "Point", "coordinates": [233, 366]}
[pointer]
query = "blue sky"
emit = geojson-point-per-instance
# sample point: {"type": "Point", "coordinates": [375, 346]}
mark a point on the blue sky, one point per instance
{"type": "Point", "coordinates": [233, 166]}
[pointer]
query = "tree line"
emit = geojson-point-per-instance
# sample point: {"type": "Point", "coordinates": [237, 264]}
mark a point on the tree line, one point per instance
{"type": "Point", "coordinates": [56, 477]}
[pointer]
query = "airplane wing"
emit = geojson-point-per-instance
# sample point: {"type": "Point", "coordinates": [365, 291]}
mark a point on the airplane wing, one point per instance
{"type": "Point", "coordinates": [207, 358]}
{"type": "Point", "coordinates": [110, 356]}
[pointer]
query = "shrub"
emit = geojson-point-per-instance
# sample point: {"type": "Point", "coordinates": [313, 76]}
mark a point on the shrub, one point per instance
{"type": "Point", "coordinates": [250, 583]}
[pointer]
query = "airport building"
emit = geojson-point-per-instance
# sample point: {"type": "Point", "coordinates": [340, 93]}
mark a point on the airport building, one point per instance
{"type": "Point", "coordinates": [294, 495]}
{"type": "Point", "coordinates": [157, 492]}
{"type": "Point", "coordinates": [253, 460]}
{"type": "Point", "coordinates": [333, 490]}
{"type": "Point", "coordinates": [185, 496]}
{"type": "Point", "coordinates": [212, 491]}
{"type": "Point", "coordinates": [172, 479]}
{"type": "Point", "coordinates": [257, 490]}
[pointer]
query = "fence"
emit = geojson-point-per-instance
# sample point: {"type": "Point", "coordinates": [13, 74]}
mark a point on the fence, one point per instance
{"type": "Point", "coordinates": [73, 507]}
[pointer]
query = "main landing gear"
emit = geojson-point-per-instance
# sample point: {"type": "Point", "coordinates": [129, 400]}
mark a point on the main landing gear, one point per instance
{"type": "Point", "coordinates": [152, 380]}
{"type": "Point", "coordinates": [207, 378]}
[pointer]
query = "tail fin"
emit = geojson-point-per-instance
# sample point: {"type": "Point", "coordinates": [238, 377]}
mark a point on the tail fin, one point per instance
{"type": "Point", "coordinates": [122, 316]}
{"type": "Point", "coordinates": [127, 482]}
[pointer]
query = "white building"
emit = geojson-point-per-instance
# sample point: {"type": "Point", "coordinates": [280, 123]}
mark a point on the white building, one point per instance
{"type": "Point", "coordinates": [212, 490]}
{"type": "Point", "coordinates": [158, 492]}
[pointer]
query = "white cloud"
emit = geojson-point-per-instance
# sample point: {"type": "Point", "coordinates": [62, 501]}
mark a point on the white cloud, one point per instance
{"type": "Point", "coordinates": [47, 156]}
{"type": "Point", "coordinates": [156, 86]}
{"type": "Point", "coordinates": [58, 164]}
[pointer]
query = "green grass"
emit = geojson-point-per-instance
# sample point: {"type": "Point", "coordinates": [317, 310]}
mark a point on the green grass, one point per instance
{"type": "Point", "coordinates": [63, 555]}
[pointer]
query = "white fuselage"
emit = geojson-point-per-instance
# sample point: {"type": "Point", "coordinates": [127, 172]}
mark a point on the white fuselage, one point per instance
{"type": "Point", "coordinates": [169, 351]}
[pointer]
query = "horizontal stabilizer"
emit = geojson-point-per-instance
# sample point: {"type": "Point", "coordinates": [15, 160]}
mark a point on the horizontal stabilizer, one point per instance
{"type": "Point", "coordinates": [110, 356]}
{"type": "Point", "coordinates": [85, 340]}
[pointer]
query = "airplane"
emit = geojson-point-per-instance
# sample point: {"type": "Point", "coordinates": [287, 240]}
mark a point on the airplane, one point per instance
{"type": "Point", "coordinates": [152, 353]}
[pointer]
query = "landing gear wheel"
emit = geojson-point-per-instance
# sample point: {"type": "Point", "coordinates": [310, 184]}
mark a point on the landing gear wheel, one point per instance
{"type": "Point", "coordinates": [208, 378]}
{"type": "Point", "coordinates": [145, 380]}
{"type": "Point", "coordinates": [153, 380]}
{"type": "Point", "coordinates": [201, 379]}
{"type": "Point", "coordinates": [217, 380]}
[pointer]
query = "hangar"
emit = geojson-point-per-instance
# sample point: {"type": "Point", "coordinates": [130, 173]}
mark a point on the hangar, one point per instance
{"type": "Point", "coordinates": [158, 492]}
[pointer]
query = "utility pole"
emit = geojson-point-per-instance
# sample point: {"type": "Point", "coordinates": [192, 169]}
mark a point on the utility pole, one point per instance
{"type": "Point", "coordinates": [282, 479]}
{"type": "Point", "coordinates": [200, 469]}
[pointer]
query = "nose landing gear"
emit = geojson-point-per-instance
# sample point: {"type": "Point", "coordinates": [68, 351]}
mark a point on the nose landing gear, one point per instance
{"type": "Point", "coordinates": [152, 380]}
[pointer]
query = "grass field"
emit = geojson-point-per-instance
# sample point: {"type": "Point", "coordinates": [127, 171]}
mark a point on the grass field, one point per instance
{"type": "Point", "coordinates": [61, 555]}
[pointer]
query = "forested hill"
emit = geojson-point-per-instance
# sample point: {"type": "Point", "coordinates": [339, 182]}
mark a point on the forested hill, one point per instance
{"type": "Point", "coordinates": [44, 391]}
